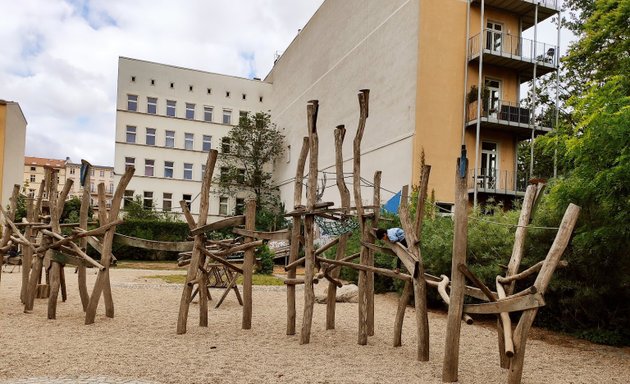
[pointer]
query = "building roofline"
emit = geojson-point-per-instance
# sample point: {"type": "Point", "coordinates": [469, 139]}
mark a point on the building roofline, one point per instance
{"type": "Point", "coordinates": [8, 102]}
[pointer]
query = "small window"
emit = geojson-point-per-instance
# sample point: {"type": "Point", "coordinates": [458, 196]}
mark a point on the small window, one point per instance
{"type": "Point", "coordinates": [31, 193]}
{"type": "Point", "coordinates": [188, 141]}
{"type": "Point", "coordinates": [207, 114]}
{"type": "Point", "coordinates": [190, 88]}
{"type": "Point", "coordinates": [147, 203]}
{"type": "Point", "coordinates": [150, 140]}
{"type": "Point", "coordinates": [33, 169]}
{"type": "Point", "coordinates": [207, 143]}
{"type": "Point", "coordinates": [92, 189]}
{"type": "Point", "coordinates": [130, 162]}
{"type": "Point", "coordinates": [132, 103]}
{"type": "Point", "coordinates": [227, 116]}
{"type": "Point", "coordinates": [131, 134]}
{"type": "Point", "coordinates": [225, 145]}
{"type": "Point", "coordinates": [244, 96]}
{"type": "Point", "coordinates": [224, 176]}
{"type": "Point", "coordinates": [203, 171]}
{"type": "Point", "coordinates": [240, 176]}
{"type": "Point", "coordinates": [101, 173]}
{"type": "Point", "coordinates": [169, 141]}
{"type": "Point", "coordinates": [72, 170]}
{"type": "Point", "coordinates": [148, 167]}
{"type": "Point", "coordinates": [209, 91]}
{"type": "Point", "coordinates": [170, 107]}
{"type": "Point", "coordinates": [172, 85]}
{"type": "Point", "coordinates": [227, 93]}
{"type": "Point", "coordinates": [32, 178]}
{"type": "Point", "coordinates": [223, 205]}
{"type": "Point", "coordinates": [167, 202]}
{"type": "Point", "coordinates": [190, 111]}
{"type": "Point", "coordinates": [242, 114]}
{"type": "Point", "coordinates": [288, 154]}
{"type": "Point", "coordinates": [444, 209]}
{"type": "Point", "coordinates": [260, 99]}
{"type": "Point", "coordinates": [187, 199]}
{"type": "Point", "coordinates": [152, 105]}
{"type": "Point", "coordinates": [133, 79]}
{"type": "Point", "coordinates": [188, 171]}
{"type": "Point", "coordinates": [240, 206]}
{"type": "Point", "coordinates": [152, 81]}
{"type": "Point", "coordinates": [111, 187]}
{"type": "Point", "coordinates": [168, 169]}
{"type": "Point", "coordinates": [128, 198]}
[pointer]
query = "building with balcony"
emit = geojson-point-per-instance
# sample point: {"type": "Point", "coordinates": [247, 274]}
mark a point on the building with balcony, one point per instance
{"type": "Point", "coordinates": [426, 64]}
{"type": "Point", "coordinates": [12, 143]}
{"type": "Point", "coordinates": [98, 174]}
{"type": "Point", "coordinates": [167, 120]}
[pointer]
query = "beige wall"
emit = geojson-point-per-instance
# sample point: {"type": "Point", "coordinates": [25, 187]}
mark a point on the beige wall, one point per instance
{"type": "Point", "coordinates": [13, 140]}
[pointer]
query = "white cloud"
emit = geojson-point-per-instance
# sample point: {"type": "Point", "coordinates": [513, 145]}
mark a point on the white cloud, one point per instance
{"type": "Point", "coordinates": [60, 58]}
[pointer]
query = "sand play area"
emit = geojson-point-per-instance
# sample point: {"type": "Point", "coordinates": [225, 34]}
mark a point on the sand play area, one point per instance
{"type": "Point", "coordinates": [140, 345]}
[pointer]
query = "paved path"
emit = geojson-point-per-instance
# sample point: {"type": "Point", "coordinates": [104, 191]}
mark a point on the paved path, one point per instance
{"type": "Point", "coordinates": [76, 380]}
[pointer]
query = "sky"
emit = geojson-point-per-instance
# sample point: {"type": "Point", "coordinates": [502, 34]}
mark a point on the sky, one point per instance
{"type": "Point", "coordinates": [59, 58]}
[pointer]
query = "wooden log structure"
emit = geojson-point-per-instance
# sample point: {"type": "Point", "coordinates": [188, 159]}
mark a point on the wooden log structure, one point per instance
{"type": "Point", "coordinates": [9, 217]}
{"type": "Point", "coordinates": [248, 264]}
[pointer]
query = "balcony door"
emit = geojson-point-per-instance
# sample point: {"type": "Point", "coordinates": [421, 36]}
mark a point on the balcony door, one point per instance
{"type": "Point", "coordinates": [493, 101]}
{"type": "Point", "coordinates": [489, 165]}
{"type": "Point", "coordinates": [494, 36]}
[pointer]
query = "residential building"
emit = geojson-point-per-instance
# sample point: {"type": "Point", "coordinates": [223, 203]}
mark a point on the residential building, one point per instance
{"type": "Point", "coordinates": [420, 60]}
{"type": "Point", "coordinates": [167, 119]}
{"type": "Point", "coordinates": [12, 143]}
{"type": "Point", "coordinates": [34, 174]}
{"type": "Point", "coordinates": [98, 174]}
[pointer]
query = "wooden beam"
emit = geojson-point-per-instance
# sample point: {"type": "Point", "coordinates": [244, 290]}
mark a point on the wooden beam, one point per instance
{"type": "Point", "coordinates": [269, 236]}
{"type": "Point", "coordinates": [227, 222]}
{"type": "Point", "coordinates": [169, 246]}
{"type": "Point", "coordinates": [509, 304]}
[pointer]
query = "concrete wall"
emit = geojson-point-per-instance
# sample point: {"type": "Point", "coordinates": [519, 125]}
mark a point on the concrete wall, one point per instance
{"type": "Point", "coordinates": [347, 46]}
{"type": "Point", "coordinates": [13, 133]}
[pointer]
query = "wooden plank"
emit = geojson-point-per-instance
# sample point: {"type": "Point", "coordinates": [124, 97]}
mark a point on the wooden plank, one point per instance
{"type": "Point", "coordinates": [220, 260]}
{"type": "Point", "coordinates": [365, 268]}
{"type": "Point", "coordinates": [509, 304]}
{"type": "Point", "coordinates": [170, 246]}
{"type": "Point", "coordinates": [380, 249]}
{"type": "Point", "coordinates": [270, 236]}
{"type": "Point", "coordinates": [224, 223]}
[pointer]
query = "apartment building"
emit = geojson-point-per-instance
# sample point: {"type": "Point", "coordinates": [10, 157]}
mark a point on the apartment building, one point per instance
{"type": "Point", "coordinates": [35, 173]}
{"type": "Point", "coordinates": [98, 174]}
{"type": "Point", "coordinates": [420, 59]}
{"type": "Point", "coordinates": [167, 119]}
{"type": "Point", "coordinates": [12, 143]}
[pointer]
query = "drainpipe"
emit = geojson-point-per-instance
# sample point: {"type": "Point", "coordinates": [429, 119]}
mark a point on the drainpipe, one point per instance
{"type": "Point", "coordinates": [479, 102]}
{"type": "Point", "coordinates": [555, 149]}
{"type": "Point", "coordinates": [532, 115]}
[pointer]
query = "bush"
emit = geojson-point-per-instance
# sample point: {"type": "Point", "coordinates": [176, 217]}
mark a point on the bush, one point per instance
{"type": "Point", "coordinates": [266, 260]}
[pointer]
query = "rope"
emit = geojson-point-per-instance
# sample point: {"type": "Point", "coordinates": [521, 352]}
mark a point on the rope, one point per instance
{"type": "Point", "coordinates": [336, 228]}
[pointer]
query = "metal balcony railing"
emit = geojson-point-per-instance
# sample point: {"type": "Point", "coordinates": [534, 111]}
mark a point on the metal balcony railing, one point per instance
{"type": "Point", "coordinates": [514, 47]}
{"type": "Point", "coordinates": [499, 110]}
{"type": "Point", "coordinates": [496, 181]}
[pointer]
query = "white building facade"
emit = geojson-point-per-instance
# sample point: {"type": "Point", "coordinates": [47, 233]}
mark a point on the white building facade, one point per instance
{"type": "Point", "coordinates": [167, 119]}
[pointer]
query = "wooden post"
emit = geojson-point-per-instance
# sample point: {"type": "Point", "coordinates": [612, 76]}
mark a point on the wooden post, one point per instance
{"type": "Point", "coordinates": [400, 313]}
{"type": "Point", "coordinates": [37, 265]}
{"type": "Point", "coordinates": [542, 281]}
{"type": "Point", "coordinates": [309, 250]}
{"type": "Point", "coordinates": [6, 233]}
{"type": "Point", "coordinates": [83, 224]}
{"type": "Point", "coordinates": [248, 265]}
{"type": "Point", "coordinates": [356, 179]}
{"type": "Point", "coordinates": [376, 202]}
{"type": "Point", "coordinates": [344, 193]}
{"type": "Point", "coordinates": [458, 281]}
{"type": "Point", "coordinates": [295, 235]}
{"type": "Point", "coordinates": [27, 252]}
{"type": "Point", "coordinates": [102, 279]}
{"type": "Point", "coordinates": [196, 258]}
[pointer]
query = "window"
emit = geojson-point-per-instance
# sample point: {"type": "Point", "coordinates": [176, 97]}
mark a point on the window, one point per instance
{"type": "Point", "coordinates": [31, 193]}
{"type": "Point", "coordinates": [207, 114]}
{"type": "Point", "coordinates": [148, 167]}
{"type": "Point", "coordinates": [242, 114]}
{"type": "Point", "coordinates": [128, 198]}
{"type": "Point", "coordinates": [188, 141]}
{"type": "Point", "coordinates": [33, 169]}
{"type": "Point", "coordinates": [168, 169]}
{"type": "Point", "coordinates": [240, 206]}
{"type": "Point", "coordinates": [152, 105]}
{"type": "Point", "coordinates": [133, 79]}
{"type": "Point", "coordinates": [170, 107]}
{"type": "Point", "coordinates": [190, 88]}
{"type": "Point", "coordinates": [130, 162]}
{"type": "Point", "coordinates": [32, 178]}
{"type": "Point", "coordinates": [227, 93]}
{"type": "Point", "coordinates": [225, 145]}
{"type": "Point", "coordinates": [190, 111]}
{"type": "Point", "coordinates": [207, 143]}
{"type": "Point", "coordinates": [91, 174]}
{"type": "Point", "coordinates": [72, 170]}
{"type": "Point", "coordinates": [150, 136]}
{"type": "Point", "coordinates": [170, 139]}
{"type": "Point", "coordinates": [203, 171]}
{"type": "Point", "coordinates": [101, 173]}
{"type": "Point", "coordinates": [227, 116]}
{"type": "Point", "coordinates": [131, 134]}
{"type": "Point", "coordinates": [187, 199]}
{"type": "Point", "coordinates": [167, 202]}
{"type": "Point", "coordinates": [111, 187]}
{"type": "Point", "coordinates": [244, 96]}
{"type": "Point", "coordinates": [224, 174]}
{"type": "Point", "coordinates": [260, 99]}
{"type": "Point", "coordinates": [132, 103]}
{"type": "Point", "coordinates": [240, 176]}
{"type": "Point", "coordinates": [223, 205]}
{"type": "Point", "coordinates": [92, 189]}
{"type": "Point", "coordinates": [494, 35]}
{"type": "Point", "coordinates": [152, 81]}
{"type": "Point", "coordinates": [147, 203]}
{"type": "Point", "coordinates": [288, 154]}
{"type": "Point", "coordinates": [209, 91]}
{"type": "Point", "coordinates": [172, 85]}
{"type": "Point", "coordinates": [188, 171]}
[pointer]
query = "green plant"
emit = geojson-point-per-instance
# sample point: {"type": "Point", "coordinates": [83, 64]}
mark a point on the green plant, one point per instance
{"type": "Point", "coordinates": [266, 260]}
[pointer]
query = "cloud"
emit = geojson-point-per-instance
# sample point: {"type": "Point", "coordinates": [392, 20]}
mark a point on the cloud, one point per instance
{"type": "Point", "coordinates": [60, 58]}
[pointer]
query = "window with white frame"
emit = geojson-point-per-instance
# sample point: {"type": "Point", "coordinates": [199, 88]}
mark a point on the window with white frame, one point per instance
{"type": "Point", "coordinates": [203, 171]}
{"type": "Point", "coordinates": [168, 169]}
{"type": "Point", "coordinates": [170, 107]}
{"type": "Point", "coordinates": [147, 202]}
{"type": "Point", "coordinates": [187, 199]}
{"type": "Point", "coordinates": [32, 178]}
{"type": "Point", "coordinates": [207, 143]}
{"type": "Point", "coordinates": [148, 167]}
{"type": "Point", "coordinates": [72, 170]}
{"type": "Point", "coordinates": [189, 140]}
{"type": "Point", "coordinates": [111, 187]}
{"type": "Point", "coordinates": [150, 139]}
{"type": "Point", "coordinates": [240, 176]}
{"type": "Point", "coordinates": [101, 173]}
{"type": "Point", "coordinates": [190, 111]}
{"type": "Point", "coordinates": [223, 205]}
{"type": "Point", "coordinates": [33, 169]}
{"type": "Point", "coordinates": [130, 162]}
{"type": "Point", "coordinates": [167, 202]}
{"type": "Point", "coordinates": [92, 189]}
{"type": "Point", "coordinates": [132, 103]}
{"type": "Point", "coordinates": [188, 171]}
{"type": "Point", "coordinates": [239, 207]}
{"type": "Point", "coordinates": [170, 139]}
{"type": "Point", "coordinates": [225, 145]}
{"type": "Point", "coordinates": [225, 174]}
{"type": "Point", "coordinates": [242, 114]}
{"type": "Point", "coordinates": [128, 198]}
{"type": "Point", "coordinates": [207, 113]}
{"type": "Point", "coordinates": [131, 134]}
{"type": "Point", "coordinates": [227, 116]}
{"type": "Point", "coordinates": [152, 105]}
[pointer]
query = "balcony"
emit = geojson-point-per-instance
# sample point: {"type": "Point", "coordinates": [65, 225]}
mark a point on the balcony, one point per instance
{"type": "Point", "coordinates": [496, 182]}
{"type": "Point", "coordinates": [510, 51]}
{"type": "Point", "coordinates": [504, 116]}
{"type": "Point", "coordinates": [526, 9]}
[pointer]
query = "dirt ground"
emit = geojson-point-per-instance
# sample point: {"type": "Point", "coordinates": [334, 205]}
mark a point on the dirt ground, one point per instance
{"type": "Point", "coordinates": [140, 343]}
